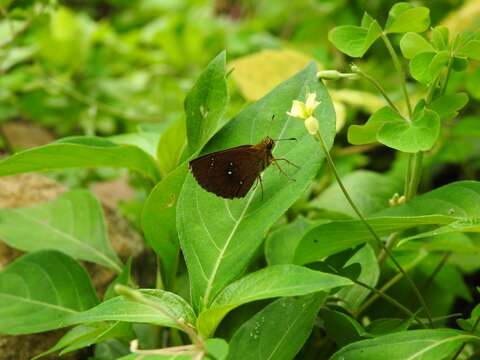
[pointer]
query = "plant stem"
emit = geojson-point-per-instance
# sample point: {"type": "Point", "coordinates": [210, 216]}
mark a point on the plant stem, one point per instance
{"type": "Point", "coordinates": [415, 176]}
{"type": "Point", "coordinates": [447, 76]}
{"type": "Point", "coordinates": [319, 137]}
{"type": "Point", "coordinates": [379, 88]}
{"type": "Point", "coordinates": [437, 269]}
{"type": "Point", "coordinates": [391, 300]}
{"type": "Point", "coordinates": [398, 67]}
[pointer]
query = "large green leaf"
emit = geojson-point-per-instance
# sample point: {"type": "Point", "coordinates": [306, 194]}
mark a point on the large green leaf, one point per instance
{"type": "Point", "coordinates": [407, 345]}
{"type": "Point", "coordinates": [356, 40]}
{"type": "Point", "coordinates": [158, 221]}
{"type": "Point", "coordinates": [342, 328]}
{"type": "Point", "coordinates": [74, 152]}
{"type": "Point", "coordinates": [171, 146]}
{"type": "Point", "coordinates": [121, 309]}
{"type": "Point", "coordinates": [369, 191]}
{"type": "Point", "coordinates": [73, 224]}
{"type": "Point", "coordinates": [219, 236]}
{"type": "Point", "coordinates": [273, 281]}
{"type": "Point", "coordinates": [451, 203]}
{"type": "Point", "coordinates": [205, 104]}
{"type": "Point", "coordinates": [281, 243]}
{"type": "Point", "coordinates": [278, 331]}
{"type": "Point", "coordinates": [40, 290]}
{"type": "Point", "coordinates": [86, 335]}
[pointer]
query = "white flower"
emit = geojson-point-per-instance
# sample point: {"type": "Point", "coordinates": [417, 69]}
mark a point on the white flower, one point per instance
{"type": "Point", "coordinates": [298, 110]}
{"type": "Point", "coordinates": [303, 110]}
{"type": "Point", "coordinates": [311, 103]}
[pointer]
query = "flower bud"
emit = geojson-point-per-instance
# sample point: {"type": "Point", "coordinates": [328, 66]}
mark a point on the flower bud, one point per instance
{"type": "Point", "coordinates": [311, 124]}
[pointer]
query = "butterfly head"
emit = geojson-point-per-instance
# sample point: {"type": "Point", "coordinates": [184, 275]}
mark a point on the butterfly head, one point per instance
{"type": "Point", "coordinates": [269, 143]}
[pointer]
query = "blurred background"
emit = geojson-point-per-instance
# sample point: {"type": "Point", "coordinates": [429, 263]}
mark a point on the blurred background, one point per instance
{"type": "Point", "coordinates": [113, 67]}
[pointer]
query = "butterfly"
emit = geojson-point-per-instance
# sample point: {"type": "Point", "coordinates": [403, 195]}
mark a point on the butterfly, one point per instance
{"type": "Point", "coordinates": [231, 173]}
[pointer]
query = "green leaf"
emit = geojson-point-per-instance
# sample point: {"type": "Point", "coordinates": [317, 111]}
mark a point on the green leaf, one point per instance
{"type": "Point", "coordinates": [273, 281]}
{"type": "Point", "coordinates": [459, 63]}
{"type": "Point", "coordinates": [146, 141]}
{"type": "Point", "coordinates": [438, 63]}
{"type": "Point", "coordinates": [121, 309]}
{"type": "Point", "coordinates": [336, 236]}
{"type": "Point", "coordinates": [470, 50]}
{"type": "Point", "coordinates": [413, 44]}
{"type": "Point", "coordinates": [75, 152]}
{"type": "Point", "coordinates": [403, 18]}
{"type": "Point", "coordinates": [418, 135]}
{"type": "Point", "coordinates": [353, 296]}
{"type": "Point", "coordinates": [205, 104]}
{"type": "Point", "coordinates": [39, 291]}
{"type": "Point", "coordinates": [218, 236]}
{"type": "Point", "coordinates": [355, 40]}
{"type": "Point", "coordinates": [469, 323]}
{"type": "Point", "coordinates": [367, 133]}
{"type": "Point", "coordinates": [217, 348]}
{"type": "Point", "coordinates": [420, 67]}
{"type": "Point", "coordinates": [171, 146]}
{"type": "Point", "coordinates": [174, 356]}
{"type": "Point", "coordinates": [280, 245]}
{"type": "Point", "coordinates": [385, 326]}
{"type": "Point", "coordinates": [343, 329]}
{"type": "Point", "coordinates": [73, 224]}
{"type": "Point", "coordinates": [440, 37]}
{"type": "Point", "coordinates": [448, 105]}
{"type": "Point", "coordinates": [369, 191]}
{"type": "Point", "coordinates": [442, 206]}
{"type": "Point", "coordinates": [158, 221]}
{"type": "Point", "coordinates": [278, 331]}
{"type": "Point", "coordinates": [86, 335]}
{"type": "Point", "coordinates": [415, 344]}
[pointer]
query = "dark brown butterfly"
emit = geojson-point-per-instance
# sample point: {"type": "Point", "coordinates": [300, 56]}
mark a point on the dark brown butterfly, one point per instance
{"type": "Point", "coordinates": [230, 173]}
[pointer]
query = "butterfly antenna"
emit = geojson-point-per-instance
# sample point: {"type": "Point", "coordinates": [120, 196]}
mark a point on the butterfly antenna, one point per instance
{"type": "Point", "coordinates": [288, 139]}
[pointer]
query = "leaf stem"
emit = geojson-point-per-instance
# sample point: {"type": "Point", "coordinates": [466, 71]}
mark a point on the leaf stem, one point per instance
{"type": "Point", "coordinates": [319, 137]}
{"type": "Point", "coordinates": [375, 83]}
{"type": "Point", "coordinates": [447, 76]}
{"type": "Point", "coordinates": [398, 67]}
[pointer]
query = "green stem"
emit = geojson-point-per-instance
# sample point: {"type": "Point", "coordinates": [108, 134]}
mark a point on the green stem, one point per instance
{"type": "Point", "coordinates": [319, 137]}
{"type": "Point", "coordinates": [447, 76]}
{"type": "Point", "coordinates": [408, 175]}
{"type": "Point", "coordinates": [416, 176]}
{"type": "Point", "coordinates": [398, 67]}
{"type": "Point", "coordinates": [391, 301]}
{"type": "Point", "coordinates": [378, 86]}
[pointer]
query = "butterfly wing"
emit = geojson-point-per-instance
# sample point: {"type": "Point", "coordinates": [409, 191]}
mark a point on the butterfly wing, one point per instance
{"type": "Point", "coordinates": [229, 173]}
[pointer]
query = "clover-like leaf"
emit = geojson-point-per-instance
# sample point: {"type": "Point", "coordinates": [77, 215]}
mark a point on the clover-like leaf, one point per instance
{"type": "Point", "coordinates": [418, 135]}
{"type": "Point", "coordinates": [413, 44]}
{"type": "Point", "coordinates": [403, 17]}
{"type": "Point", "coordinates": [419, 67]}
{"type": "Point", "coordinates": [468, 45]}
{"type": "Point", "coordinates": [356, 40]}
{"type": "Point", "coordinates": [367, 133]}
{"type": "Point", "coordinates": [439, 62]}
{"type": "Point", "coordinates": [440, 36]}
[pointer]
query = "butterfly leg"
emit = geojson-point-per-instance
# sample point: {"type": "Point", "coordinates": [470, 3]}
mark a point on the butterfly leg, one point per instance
{"type": "Point", "coordinates": [288, 162]}
{"type": "Point", "coordinates": [281, 170]}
